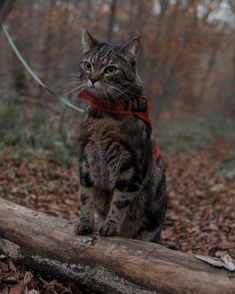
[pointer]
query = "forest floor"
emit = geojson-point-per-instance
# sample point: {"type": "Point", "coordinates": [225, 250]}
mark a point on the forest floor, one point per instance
{"type": "Point", "coordinates": [200, 217]}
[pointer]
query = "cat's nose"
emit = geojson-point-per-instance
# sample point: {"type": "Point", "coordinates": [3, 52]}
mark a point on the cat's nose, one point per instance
{"type": "Point", "coordinates": [93, 80]}
{"type": "Point", "coordinates": [93, 83]}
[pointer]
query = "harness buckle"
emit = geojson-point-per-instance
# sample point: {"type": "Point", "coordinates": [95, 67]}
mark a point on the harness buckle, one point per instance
{"type": "Point", "coordinates": [139, 105]}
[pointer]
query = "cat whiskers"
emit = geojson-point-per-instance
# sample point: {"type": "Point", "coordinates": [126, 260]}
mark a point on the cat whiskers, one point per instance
{"type": "Point", "coordinates": [107, 88]}
{"type": "Point", "coordinates": [75, 89]}
{"type": "Point", "coordinates": [119, 94]}
{"type": "Point", "coordinates": [122, 91]}
{"type": "Point", "coordinates": [78, 85]}
{"type": "Point", "coordinates": [116, 99]}
{"type": "Point", "coordinates": [73, 82]}
{"type": "Point", "coordinates": [106, 95]}
{"type": "Point", "coordinates": [74, 74]}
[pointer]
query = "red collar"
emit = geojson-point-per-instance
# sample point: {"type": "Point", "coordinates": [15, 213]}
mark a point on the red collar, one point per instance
{"type": "Point", "coordinates": [139, 109]}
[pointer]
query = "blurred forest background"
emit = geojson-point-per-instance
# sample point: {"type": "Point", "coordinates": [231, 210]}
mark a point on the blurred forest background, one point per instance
{"type": "Point", "coordinates": [187, 64]}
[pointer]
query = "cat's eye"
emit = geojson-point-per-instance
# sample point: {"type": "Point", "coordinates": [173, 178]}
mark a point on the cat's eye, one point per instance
{"type": "Point", "coordinates": [87, 66]}
{"type": "Point", "coordinates": [110, 69]}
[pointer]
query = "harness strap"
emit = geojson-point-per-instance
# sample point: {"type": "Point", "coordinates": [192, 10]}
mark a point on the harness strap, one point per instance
{"type": "Point", "coordinates": [136, 107]}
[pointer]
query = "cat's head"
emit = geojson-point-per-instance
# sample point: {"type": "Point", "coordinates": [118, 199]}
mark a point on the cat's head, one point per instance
{"type": "Point", "coordinates": [108, 71]}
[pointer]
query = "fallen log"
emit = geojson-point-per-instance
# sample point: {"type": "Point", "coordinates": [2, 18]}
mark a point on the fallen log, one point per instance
{"type": "Point", "coordinates": [107, 265]}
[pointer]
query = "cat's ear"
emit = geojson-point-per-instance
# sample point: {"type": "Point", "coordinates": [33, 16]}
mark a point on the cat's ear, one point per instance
{"type": "Point", "coordinates": [88, 42]}
{"type": "Point", "coordinates": [131, 49]}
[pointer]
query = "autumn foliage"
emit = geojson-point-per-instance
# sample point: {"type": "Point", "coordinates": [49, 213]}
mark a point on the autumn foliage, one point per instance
{"type": "Point", "coordinates": [187, 64]}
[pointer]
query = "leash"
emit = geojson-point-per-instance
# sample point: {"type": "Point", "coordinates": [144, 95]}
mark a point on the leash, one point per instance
{"type": "Point", "coordinates": [32, 73]}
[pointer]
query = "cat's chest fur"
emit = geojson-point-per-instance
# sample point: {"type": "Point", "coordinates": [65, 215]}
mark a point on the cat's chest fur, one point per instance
{"type": "Point", "coordinates": [107, 141]}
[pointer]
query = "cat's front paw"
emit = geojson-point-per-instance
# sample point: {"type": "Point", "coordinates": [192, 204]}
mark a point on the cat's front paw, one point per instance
{"type": "Point", "coordinates": [83, 228]}
{"type": "Point", "coordinates": [109, 229]}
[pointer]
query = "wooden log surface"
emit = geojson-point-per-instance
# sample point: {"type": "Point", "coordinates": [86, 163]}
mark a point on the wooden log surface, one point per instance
{"type": "Point", "coordinates": [108, 265]}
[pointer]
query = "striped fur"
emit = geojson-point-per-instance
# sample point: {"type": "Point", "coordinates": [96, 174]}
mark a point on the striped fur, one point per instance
{"type": "Point", "coordinates": [119, 178]}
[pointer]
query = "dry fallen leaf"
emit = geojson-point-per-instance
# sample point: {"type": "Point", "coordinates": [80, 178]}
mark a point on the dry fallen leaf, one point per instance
{"type": "Point", "coordinates": [200, 215]}
{"type": "Point", "coordinates": [17, 289]}
{"type": "Point", "coordinates": [12, 267]}
{"type": "Point", "coordinates": [27, 278]}
{"type": "Point", "coordinates": [225, 261]}
{"type": "Point", "coordinates": [228, 262]}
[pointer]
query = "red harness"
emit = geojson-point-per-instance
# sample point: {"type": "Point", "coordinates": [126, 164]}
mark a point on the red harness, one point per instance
{"type": "Point", "coordinates": [139, 109]}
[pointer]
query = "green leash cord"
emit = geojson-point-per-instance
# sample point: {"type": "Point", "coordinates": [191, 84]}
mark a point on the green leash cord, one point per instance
{"type": "Point", "coordinates": [32, 73]}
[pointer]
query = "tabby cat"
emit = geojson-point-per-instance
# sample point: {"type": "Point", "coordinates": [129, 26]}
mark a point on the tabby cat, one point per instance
{"type": "Point", "coordinates": [120, 179]}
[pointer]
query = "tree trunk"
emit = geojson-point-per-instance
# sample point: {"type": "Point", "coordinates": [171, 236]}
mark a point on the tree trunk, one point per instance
{"type": "Point", "coordinates": [111, 20]}
{"type": "Point", "coordinates": [5, 8]}
{"type": "Point", "coordinates": [108, 265]}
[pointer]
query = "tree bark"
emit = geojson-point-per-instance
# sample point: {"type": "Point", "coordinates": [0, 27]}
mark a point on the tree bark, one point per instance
{"type": "Point", "coordinates": [108, 265]}
{"type": "Point", "coordinates": [111, 20]}
{"type": "Point", "coordinates": [5, 8]}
